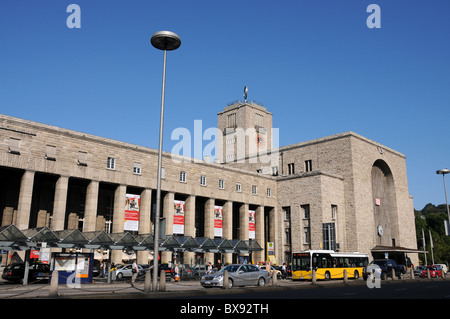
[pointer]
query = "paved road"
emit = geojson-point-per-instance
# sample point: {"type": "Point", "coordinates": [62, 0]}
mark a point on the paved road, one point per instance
{"type": "Point", "coordinates": [285, 289]}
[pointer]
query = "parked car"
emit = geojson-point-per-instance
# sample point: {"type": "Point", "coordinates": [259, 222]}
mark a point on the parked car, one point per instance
{"type": "Point", "coordinates": [168, 269]}
{"type": "Point", "coordinates": [16, 272]}
{"type": "Point", "coordinates": [418, 270]}
{"type": "Point", "coordinates": [126, 271]}
{"type": "Point", "coordinates": [434, 272]}
{"type": "Point", "coordinates": [185, 271]}
{"type": "Point", "coordinates": [238, 275]}
{"type": "Point", "coordinates": [385, 266]}
{"type": "Point", "coordinates": [443, 266]}
{"type": "Point", "coordinates": [198, 271]}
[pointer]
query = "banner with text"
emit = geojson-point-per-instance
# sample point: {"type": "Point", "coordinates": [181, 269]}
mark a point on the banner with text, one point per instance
{"type": "Point", "coordinates": [178, 217]}
{"type": "Point", "coordinates": [251, 224]}
{"type": "Point", "coordinates": [218, 224]}
{"type": "Point", "coordinates": [131, 218]}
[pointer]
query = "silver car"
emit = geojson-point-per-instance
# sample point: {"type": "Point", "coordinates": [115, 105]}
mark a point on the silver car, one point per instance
{"type": "Point", "coordinates": [126, 271]}
{"type": "Point", "coordinates": [238, 275]}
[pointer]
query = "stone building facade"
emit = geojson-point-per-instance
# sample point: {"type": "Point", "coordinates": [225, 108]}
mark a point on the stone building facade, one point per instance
{"type": "Point", "coordinates": [342, 192]}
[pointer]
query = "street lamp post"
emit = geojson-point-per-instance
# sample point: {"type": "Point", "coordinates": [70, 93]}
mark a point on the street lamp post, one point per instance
{"type": "Point", "coordinates": [166, 41]}
{"type": "Point", "coordinates": [443, 172]}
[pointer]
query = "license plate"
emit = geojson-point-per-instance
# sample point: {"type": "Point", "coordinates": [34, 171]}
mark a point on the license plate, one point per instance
{"type": "Point", "coordinates": [207, 282]}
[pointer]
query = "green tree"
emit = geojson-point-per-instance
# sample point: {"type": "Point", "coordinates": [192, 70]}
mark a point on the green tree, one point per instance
{"type": "Point", "coordinates": [431, 220]}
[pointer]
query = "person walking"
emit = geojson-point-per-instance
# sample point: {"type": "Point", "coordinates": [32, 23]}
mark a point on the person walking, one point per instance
{"type": "Point", "coordinates": [135, 271]}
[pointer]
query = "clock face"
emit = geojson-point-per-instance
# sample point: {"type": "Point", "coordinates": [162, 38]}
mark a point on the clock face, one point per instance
{"type": "Point", "coordinates": [259, 140]}
{"type": "Point", "coordinates": [380, 230]}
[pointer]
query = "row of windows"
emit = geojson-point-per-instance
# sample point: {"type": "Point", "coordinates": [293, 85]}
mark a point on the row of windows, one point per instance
{"type": "Point", "coordinates": [14, 148]}
{"type": "Point", "coordinates": [307, 167]}
{"type": "Point", "coordinates": [222, 184]}
{"type": "Point", "coordinates": [328, 228]}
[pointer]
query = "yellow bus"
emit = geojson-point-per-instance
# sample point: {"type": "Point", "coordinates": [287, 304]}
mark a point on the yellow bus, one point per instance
{"type": "Point", "coordinates": [328, 264]}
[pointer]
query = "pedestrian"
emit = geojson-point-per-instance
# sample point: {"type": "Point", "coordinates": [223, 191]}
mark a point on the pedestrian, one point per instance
{"type": "Point", "coordinates": [209, 269]}
{"type": "Point", "coordinates": [103, 269]}
{"type": "Point", "coordinates": [219, 265]}
{"type": "Point", "coordinates": [135, 271]}
{"type": "Point", "coordinates": [283, 271]}
{"type": "Point", "coordinates": [176, 272]}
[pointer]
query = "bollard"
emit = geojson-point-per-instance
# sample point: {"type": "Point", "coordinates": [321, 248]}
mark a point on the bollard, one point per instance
{"type": "Point", "coordinates": [345, 276]}
{"type": "Point", "coordinates": [412, 273]}
{"type": "Point", "coordinates": [393, 274]}
{"type": "Point", "coordinates": [313, 279]}
{"type": "Point", "coordinates": [274, 279]}
{"type": "Point", "coordinates": [162, 281]}
{"type": "Point", "coordinates": [428, 274]}
{"type": "Point", "coordinates": [225, 279]}
{"type": "Point", "coordinates": [53, 292]}
{"type": "Point", "coordinates": [148, 282]}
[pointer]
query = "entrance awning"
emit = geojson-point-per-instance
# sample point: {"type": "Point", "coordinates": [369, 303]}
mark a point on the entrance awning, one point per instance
{"type": "Point", "coordinates": [11, 238]}
{"type": "Point", "coordinates": [395, 249]}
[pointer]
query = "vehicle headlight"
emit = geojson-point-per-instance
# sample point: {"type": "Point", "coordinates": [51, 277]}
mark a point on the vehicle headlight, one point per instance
{"type": "Point", "coordinates": [219, 277]}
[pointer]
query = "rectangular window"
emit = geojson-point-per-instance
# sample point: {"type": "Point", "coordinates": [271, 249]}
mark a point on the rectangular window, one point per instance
{"type": "Point", "coordinates": [221, 184]}
{"type": "Point", "coordinates": [111, 163]}
{"type": "Point", "coordinates": [333, 211]}
{"type": "Point", "coordinates": [306, 235]}
{"type": "Point", "coordinates": [137, 168]}
{"type": "Point", "coordinates": [238, 187]}
{"type": "Point", "coordinates": [291, 169]}
{"type": "Point", "coordinates": [329, 236]}
{"type": "Point", "coordinates": [183, 177]}
{"type": "Point", "coordinates": [305, 211]}
{"type": "Point", "coordinates": [82, 158]}
{"type": "Point", "coordinates": [308, 166]}
{"type": "Point", "coordinates": [203, 180]}
{"type": "Point", "coordinates": [254, 190]}
{"type": "Point", "coordinates": [231, 120]}
{"type": "Point", "coordinates": [259, 120]}
{"type": "Point", "coordinates": [14, 146]}
{"type": "Point", "coordinates": [50, 153]}
{"type": "Point", "coordinates": [269, 192]}
{"type": "Point", "coordinates": [274, 170]}
{"type": "Point", "coordinates": [287, 213]}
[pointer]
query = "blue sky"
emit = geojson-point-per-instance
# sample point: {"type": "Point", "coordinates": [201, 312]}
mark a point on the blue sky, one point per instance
{"type": "Point", "coordinates": [314, 64]}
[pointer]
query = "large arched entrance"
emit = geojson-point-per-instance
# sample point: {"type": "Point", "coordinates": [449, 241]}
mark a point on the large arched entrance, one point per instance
{"type": "Point", "coordinates": [385, 204]}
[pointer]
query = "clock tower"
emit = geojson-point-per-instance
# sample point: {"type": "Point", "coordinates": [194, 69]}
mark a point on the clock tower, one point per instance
{"type": "Point", "coordinates": [245, 129]}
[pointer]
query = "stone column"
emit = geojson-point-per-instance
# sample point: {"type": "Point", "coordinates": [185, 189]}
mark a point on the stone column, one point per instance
{"type": "Point", "coordinates": [60, 201]}
{"type": "Point", "coordinates": [90, 210]}
{"type": "Point", "coordinates": [118, 218]}
{"type": "Point", "coordinates": [145, 224]}
{"type": "Point", "coordinates": [274, 233]}
{"type": "Point", "coordinates": [189, 226]}
{"type": "Point", "coordinates": [168, 215]}
{"type": "Point", "coordinates": [209, 226]}
{"type": "Point", "coordinates": [243, 222]}
{"type": "Point", "coordinates": [7, 218]}
{"type": "Point", "coordinates": [227, 230]}
{"type": "Point", "coordinates": [259, 234]}
{"type": "Point", "coordinates": [25, 196]}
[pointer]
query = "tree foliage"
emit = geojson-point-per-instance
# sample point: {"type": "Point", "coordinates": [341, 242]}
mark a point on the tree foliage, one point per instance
{"type": "Point", "coordinates": [431, 220]}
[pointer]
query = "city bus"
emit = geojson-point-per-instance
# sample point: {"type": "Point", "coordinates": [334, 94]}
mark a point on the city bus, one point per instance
{"type": "Point", "coordinates": [328, 264]}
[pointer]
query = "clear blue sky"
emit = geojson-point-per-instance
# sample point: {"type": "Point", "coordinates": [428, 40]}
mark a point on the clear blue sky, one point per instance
{"type": "Point", "coordinates": [314, 64]}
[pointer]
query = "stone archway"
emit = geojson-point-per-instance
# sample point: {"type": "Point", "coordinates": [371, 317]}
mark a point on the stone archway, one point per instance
{"type": "Point", "coordinates": [385, 204]}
